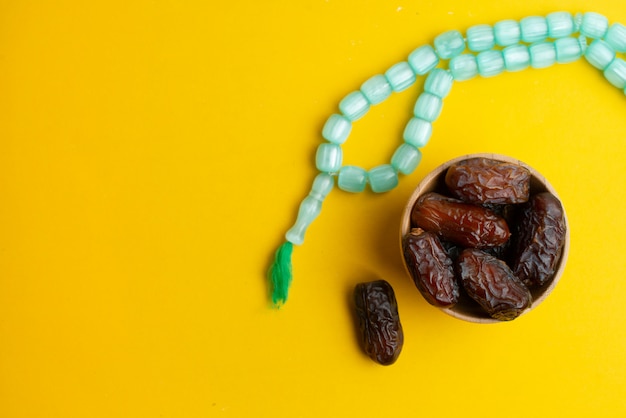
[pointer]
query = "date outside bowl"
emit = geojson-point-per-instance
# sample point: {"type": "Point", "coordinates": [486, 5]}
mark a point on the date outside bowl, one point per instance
{"type": "Point", "coordinates": [467, 309]}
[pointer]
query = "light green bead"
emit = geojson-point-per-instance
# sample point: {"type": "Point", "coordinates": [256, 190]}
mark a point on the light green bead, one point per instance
{"type": "Point", "coordinates": [567, 50]}
{"type": "Point", "coordinates": [328, 158]}
{"type": "Point", "coordinates": [428, 107]}
{"type": "Point", "coordinates": [516, 57]}
{"type": "Point", "coordinates": [423, 59]}
{"type": "Point", "coordinates": [594, 25]}
{"type": "Point", "coordinates": [406, 159]}
{"type": "Point", "coordinates": [463, 67]}
{"type": "Point", "coordinates": [534, 29]}
{"type": "Point", "coordinates": [449, 44]}
{"type": "Point", "coordinates": [480, 38]}
{"type": "Point", "coordinates": [354, 106]}
{"type": "Point", "coordinates": [439, 82]}
{"type": "Point", "coordinates": [400, 76]}
{"type": "Point", "coordinates": [599, 54]}
{"type": "Point", "coordinates": [616, 37]}
{"type": "Point", "coordinates": [507, 32]}
{"type": "Point", "coordinates": [337, 129]}
{"type": "Point", "coordinates": [490, 63]}
{"type": "Point", "coordinates": [542, 54]}
{"type": "Point", "coordinates": [418, 132]}
{"type": "Point", "coordinates": [352, 179]}
{"type": "Point", "coordinates": [615, 73]}
{"type": "Point", "coordinates": [310, 208]}
{"type": "Point", "coordinates": [376, 89]}
{"type": "Point", "coordinates": [322, 185]}
{"type": "Point", "coordinates": [560, 24]}
{"type": "Point", "coordinates": [382, 178]}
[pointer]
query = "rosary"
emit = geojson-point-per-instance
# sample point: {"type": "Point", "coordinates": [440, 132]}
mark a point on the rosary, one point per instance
{"type": "Point", "coordinates": [509, 45]}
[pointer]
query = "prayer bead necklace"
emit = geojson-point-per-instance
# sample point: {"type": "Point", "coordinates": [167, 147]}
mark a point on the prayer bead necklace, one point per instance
{"type": "Point", "coordinates": [509, 45]}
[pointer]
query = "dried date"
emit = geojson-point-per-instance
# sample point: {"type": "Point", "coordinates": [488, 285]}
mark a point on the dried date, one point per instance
{"type": "Point", "coordinates": [431, 268]}
{"type": "Point", "coordinates": [540, 239]}
{"type": "Point", "coordinates": [459, 222]}
{"type": "Point", "coordinates": [491, 283]}
{"type": "Point", "coordinates": [484, 180]}
{"type": "Point", "coordinates": [378, 320]}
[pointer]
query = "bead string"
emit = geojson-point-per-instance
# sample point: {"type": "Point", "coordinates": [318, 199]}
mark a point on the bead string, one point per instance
{"type": "Point", "coordinates": [508, 45]}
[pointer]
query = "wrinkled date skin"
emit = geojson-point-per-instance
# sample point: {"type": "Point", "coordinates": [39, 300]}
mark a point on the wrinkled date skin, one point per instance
{"type": "Point", "coordinates": [431, 268]}
{"type": "Point", "coordinates": [487, 181]}
{"type": "Point", "coordinates": [379, 323]}
{"type": "Point", "coordinates": [458, 222]}
{"type": "Point", "coordinates": [541, 236]}
{"type": "Point", "coordinates": [491, 283]}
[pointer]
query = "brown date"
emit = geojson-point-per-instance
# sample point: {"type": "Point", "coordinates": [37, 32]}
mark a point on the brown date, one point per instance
{"type": "Point", "coordinates": [431, 268]}
{"type": "Point", "coordinates": [378, 320]}
{"type": "Point", "coordinates": [540, 239]}
{"type": "Point", "coordinates": [484, 180]}
{"type": "Point", "coordinates": [491, 283]}
{"type": "Point", "coordinates": [458, 222]}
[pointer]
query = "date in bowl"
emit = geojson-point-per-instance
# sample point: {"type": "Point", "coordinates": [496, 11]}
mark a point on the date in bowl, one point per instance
{"type": "Point", "coordinates": [474, 269]}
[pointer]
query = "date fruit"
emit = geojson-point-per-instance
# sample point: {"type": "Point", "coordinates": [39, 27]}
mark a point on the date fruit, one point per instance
{"type": "Point", "coordinates": [491, 283]}
{"type": "Point", "coordinates": [540, 239]}
{"type": "Point", "coordinates": [459, 222]}
{"type": "Point", "coordinates": [486, 181]}
{"type": "Point", "coordinates": [431, 268]}
{"type": "Point", "coordinates": [378, 320]}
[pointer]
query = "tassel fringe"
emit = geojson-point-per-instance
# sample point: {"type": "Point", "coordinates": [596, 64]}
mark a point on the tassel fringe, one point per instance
{"type": "Point", "coordinates": [280, 274]}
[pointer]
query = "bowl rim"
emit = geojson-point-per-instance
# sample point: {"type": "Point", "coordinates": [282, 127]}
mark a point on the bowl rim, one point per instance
{"type": "Point", "coordinates": [430, 181]}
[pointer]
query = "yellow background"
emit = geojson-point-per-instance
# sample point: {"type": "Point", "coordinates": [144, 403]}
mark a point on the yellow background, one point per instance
{"type": "Point", "coordinates": [153, 153]}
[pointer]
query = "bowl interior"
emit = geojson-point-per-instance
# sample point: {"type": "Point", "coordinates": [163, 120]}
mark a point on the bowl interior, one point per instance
{"type": "Point", "coordinates": [466, 309]}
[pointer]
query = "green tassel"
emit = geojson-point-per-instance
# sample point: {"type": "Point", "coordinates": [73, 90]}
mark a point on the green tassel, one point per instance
{"type": "Point", "coordinates": [280, 274]}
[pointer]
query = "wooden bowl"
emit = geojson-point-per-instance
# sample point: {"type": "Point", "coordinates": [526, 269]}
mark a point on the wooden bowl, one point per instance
{"type": "Point", "coordinates": [466, 309]}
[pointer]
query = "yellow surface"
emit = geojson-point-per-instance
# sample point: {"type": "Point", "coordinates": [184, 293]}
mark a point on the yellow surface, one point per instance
{"type": "Point", "coordinates": [152, 154]}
